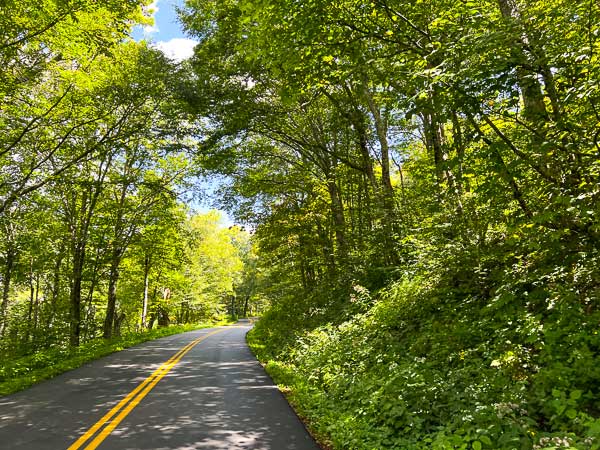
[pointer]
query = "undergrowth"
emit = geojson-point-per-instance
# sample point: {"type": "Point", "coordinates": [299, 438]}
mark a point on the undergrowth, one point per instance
{"type": "Point", "coordinates": [504, 359]}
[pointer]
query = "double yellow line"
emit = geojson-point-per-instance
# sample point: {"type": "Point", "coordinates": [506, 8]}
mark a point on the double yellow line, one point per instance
{"type": "Point", "coordinates": [124, 407]}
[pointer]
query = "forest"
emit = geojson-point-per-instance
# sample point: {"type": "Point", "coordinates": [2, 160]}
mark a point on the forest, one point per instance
{"type": "Point", "coordinates": [97, 240]}
{"type": "Point", "coordinates": [418, 184]}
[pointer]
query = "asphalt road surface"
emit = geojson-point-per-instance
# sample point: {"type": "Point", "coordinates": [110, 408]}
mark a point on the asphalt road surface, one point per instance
{"type": "Point", "coordinates": [196, 390]}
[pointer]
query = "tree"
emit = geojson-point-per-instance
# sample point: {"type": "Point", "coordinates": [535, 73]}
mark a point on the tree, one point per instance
{"type": "Point", "coordinates": [215, 264]}
{"type": "Point", "coordinates": [48, 89]}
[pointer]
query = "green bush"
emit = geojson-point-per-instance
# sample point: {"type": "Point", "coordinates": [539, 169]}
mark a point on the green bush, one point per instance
{"type": "Point", "coordinates": [437, 365]}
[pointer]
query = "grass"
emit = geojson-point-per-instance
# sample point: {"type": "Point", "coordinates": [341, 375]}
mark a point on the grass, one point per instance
{"type": "Point", "coordinates": [21, 373]}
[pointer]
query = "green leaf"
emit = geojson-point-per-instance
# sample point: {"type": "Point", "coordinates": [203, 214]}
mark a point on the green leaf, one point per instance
{"type": "Point", "coordinates": [571, 413]}
{"type": "Point", "coordinates": [576, 394]}
{"type": "Point", "coordinates": [486, 440]}
{"type": "Point", "coordinates": [556, 393]}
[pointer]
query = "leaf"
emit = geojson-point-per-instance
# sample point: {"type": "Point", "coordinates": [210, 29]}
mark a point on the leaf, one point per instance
{"type": "Point", "coordinates": [556, 393]}
{"type": "Point", "coordinates": [576, 394]}
{"type": "Point", "coordinates": [486, 440]}
{"type": "Point", "coordinates": [571, 413]}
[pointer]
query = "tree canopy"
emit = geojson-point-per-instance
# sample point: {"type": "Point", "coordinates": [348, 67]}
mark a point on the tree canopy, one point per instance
{"type": "Point", "coordinates": [96, 147]}
{"type": "Point", "coordinates": [420, 181]}
{"type": "Point", "coordinates": [422, 178]}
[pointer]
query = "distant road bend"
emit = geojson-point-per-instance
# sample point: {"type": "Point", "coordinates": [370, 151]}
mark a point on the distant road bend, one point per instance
{"type": "Point", "coordinates": [197, 390]}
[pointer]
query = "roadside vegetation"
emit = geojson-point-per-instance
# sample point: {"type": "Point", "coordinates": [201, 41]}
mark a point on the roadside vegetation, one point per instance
{"type": "Point", "coordinates": [20, 373]}
{"type": "Point", "coordinates": [421, 181]}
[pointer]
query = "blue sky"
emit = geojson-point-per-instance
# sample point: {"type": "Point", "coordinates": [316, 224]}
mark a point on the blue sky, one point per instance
{"type": "Point", "coordinates": [166, 33]}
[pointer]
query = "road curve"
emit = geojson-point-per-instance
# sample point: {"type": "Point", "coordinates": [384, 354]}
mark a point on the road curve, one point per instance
{"type": "Point", "coordinates": [210, 394]}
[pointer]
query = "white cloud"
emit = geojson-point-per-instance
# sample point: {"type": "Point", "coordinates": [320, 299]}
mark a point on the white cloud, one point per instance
{"type": "Point", "coordinates": [177, 49]}
{"type": "Point", "coordinates": [151, 29]}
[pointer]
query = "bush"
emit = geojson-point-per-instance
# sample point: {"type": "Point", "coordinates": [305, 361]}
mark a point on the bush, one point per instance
{"type": "Point", "coordinates": [450, 366]}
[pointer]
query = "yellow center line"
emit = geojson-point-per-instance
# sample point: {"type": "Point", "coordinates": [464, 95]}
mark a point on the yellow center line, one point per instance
{"type": "Point", "coordinates": [132, 399]}
{"type": "Point", "coordinates": [124, 401]}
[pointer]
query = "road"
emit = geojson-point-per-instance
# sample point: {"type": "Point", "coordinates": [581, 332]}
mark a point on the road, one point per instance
{"type": "Point", "coordinates": [197, 390]}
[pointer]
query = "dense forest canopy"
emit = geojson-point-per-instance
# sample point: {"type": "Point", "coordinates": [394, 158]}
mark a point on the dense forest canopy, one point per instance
{"type": "Point", "coordinates": [96, 152]}
{"type": "Point", "coordinates": [421, 180]}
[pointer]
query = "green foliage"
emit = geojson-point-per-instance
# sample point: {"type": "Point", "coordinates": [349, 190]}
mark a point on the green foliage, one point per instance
{"type": "Point", "coordinates": [423, 182]}
{"type": "Point", "coordinates": [432, 367]}
{"type": "Point", "coordinates": [214, 261]}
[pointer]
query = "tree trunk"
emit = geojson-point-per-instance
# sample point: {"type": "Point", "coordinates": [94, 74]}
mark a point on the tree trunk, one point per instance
{"type": "Point", "coordinates": [339, 220]}
{"type": "Point", "coordinates": [146, 284]}
{"type": "Point", "coordinates": [381, 128]}
{"type": "Point", "coordinates": [163, 314]}
{"type": "Point", "coordinates": [29, 324]}
{"type": "Point", "coordinates": [181, 314]}
{"type": "Point", "coordinates": [434, 145]}
{"type": "Point", "coordinates": [36, 307]}
{"type": "Point", "coordinates": [113, 278]}
{"type": "Point", "coordinates": [531, 90]}
{"type": "Point", "coordinates": [55, 289]}
{"type": "Point", "coordinates": [459, 147]}
{"type": "Point", "coordinates": [79, 224]}
{"type": "Point", "coordinates": [8, 270]}
{"type": "Point", "coordinates": [388, 201]}
{"type": "Point", "coordinates": [163, 317]}
{"type": "Point", "coordinates": [246, 301]}
{"type": "Point", "coordinates": [326, 248]}
{"type": "Point", "coordinates": [75, 297]}
{"type": "Point", "coordinates": [154, 314]}
{"type": "Point", "coordinates": [119, 318]}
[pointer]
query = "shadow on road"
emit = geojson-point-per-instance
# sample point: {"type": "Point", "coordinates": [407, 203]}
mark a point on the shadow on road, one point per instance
{"type": "Point", "coordinates": [216, 397]}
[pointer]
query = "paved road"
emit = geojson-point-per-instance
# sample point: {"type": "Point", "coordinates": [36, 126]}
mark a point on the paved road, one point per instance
{"type": "Point", "coordinates": [216, 396]}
